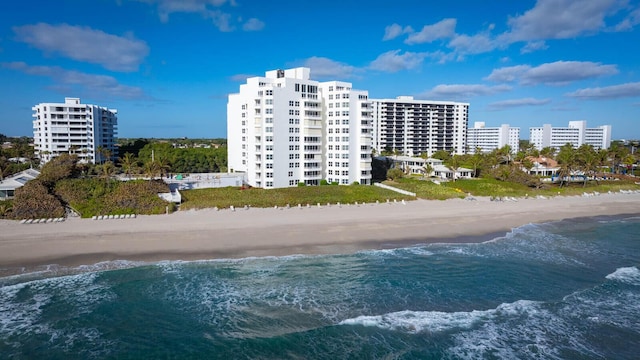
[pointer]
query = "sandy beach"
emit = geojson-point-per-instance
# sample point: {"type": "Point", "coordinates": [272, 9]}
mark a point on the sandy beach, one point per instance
{"type": "Point", "coordinates": [211, 234]}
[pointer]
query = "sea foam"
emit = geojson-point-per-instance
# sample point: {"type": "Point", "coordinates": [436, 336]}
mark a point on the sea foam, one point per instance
{"type": "Point", "coordinates": [629, 275]}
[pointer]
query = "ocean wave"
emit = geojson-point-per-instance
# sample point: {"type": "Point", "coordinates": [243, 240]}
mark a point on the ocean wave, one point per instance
{"type": "Point", "coordinates": [437, 321]}
{"type": "Point", "coordinates": [55, 270]}
{"type": "Point", "coordinates": [629, 275]}
{"type": "Point", "coordinates": [23, 309]}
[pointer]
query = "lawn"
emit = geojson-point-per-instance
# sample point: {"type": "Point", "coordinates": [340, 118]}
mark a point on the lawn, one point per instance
{"type": "Point", "coordinates": [254, 197]}
{"type": "Point", "coordinates": [426, 189]}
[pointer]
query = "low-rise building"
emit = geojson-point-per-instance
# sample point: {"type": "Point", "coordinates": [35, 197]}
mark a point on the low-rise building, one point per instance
{"type": "Point", "coordinates": [9, 185]}
{"type": "Point", "coordinates": [575, 134]}
{"type": "Point", "coordinates": [88, 131]}
{"type": "Point", "coordinates": [488, 139]}
{"type": "Point", "coordinates": [417, 165]}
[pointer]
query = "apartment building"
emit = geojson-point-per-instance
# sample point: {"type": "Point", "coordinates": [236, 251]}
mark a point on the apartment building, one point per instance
{"type": "Point", "coordinates": [89, 131]}
{"type": "Point", "coordinates": [576, 134]}
{"type": "Point", "coordinates": [414, 127]}
{"type": "Point", "coordinates": [488, 139]}
{"type": "Point", "coordinates": [285, 128]}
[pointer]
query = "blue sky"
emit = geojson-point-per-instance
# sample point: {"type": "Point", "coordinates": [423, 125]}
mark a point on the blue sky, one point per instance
{"type": "Point", "coordinates": [168, 65]}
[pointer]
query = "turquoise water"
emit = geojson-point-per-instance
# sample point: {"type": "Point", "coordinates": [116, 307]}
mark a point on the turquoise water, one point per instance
{"type": "Point", "coordinates": [564, 290]}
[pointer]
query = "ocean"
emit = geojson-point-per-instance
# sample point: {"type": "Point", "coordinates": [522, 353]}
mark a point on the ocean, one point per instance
{"type": "Point", "coordinates": [561, 290]}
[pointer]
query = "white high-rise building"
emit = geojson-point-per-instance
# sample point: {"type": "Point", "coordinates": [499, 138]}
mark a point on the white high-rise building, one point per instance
{"type": "Point", "coordinates": [284, 129]}
{"type": "Point", "coordinates": [413, 127]}
{"type": "Point", "coordinates": [576, 134]}
{"type": "Point", "coordinates": [488, 139]}
{"type": "Point", "coordinates": [89, 131]}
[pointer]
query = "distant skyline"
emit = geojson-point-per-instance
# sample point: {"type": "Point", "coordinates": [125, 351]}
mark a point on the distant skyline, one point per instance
{"type": "Point", "coordinates": [168, 65]}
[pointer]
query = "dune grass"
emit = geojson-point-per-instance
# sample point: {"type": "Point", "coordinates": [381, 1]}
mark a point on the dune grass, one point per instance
{"type": "Point", "coordinates": [254, 197]}
{"type": "Point", "coordinates": [426, 189]}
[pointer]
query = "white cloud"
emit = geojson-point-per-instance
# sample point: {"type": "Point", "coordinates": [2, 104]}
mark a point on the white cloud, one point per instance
{"type": "Point", "coordinates": [85, 44]}
{"type": "Point", "coordinates": [500, 105]}
{"type": "Point", "coordinates": [322, 67]}
{"type": "Point", "coordinates": [560, 19]}
{"type": "Point", "coordinates": [241, 77]}
{"type": "Point", "coordinates": [555, 73]}
{"type": "Point", "coordinates": [475, 44]}
{"type": "Point", "coordinates": [253, 24]}
{"type": "Point", "coordinates": [394, 30]}
{"type": "Point", "coordinates": [393, 61]}
{"type": "Point", "coordinates": [608, 92]}
{"type": "Point", "coordinates": [463, 91]}
{"type": "Point", "coordinates": [443, 29]}
{"type": "Point", "coordinates": [629, 22]}
{"type": "Point", "coordinates": [208, 9]}
{"type": "Point", "coordinates": [508, 74]}
{"type": "Point", "coordinates": [97, 86]}
{"type": "Point", "coordinates": [532, 46]}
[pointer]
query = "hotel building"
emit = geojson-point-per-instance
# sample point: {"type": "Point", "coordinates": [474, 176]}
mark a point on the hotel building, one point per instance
{"type": "Point", "coordinates": [576, 134]}
{"type": "Point", "coordinates": [488, 139]}
{"type": "Point", "coordinates": [74, 128]}
{"type": "Point", "coordinates": [285, 128]}
{"type": "Point", "coordinates": [414, 127]}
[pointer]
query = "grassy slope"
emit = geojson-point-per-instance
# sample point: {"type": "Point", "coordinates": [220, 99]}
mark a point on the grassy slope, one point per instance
{"type": "Point", "coordinates": [225, 197]}
{"type": "Point", "coordinates": [492, 187]}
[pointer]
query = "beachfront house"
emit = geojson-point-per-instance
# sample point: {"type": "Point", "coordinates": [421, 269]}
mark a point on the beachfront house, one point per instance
{"type": "Point", "coordinates": [416, 166]}
{"type": "Point", "coordinates": [542, 166]}
{"type": "Point", "coordinates": [9, 185]}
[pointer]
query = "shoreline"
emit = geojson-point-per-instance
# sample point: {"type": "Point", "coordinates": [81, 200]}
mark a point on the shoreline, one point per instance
{"type": "Point", "coordinates": [209, 234]}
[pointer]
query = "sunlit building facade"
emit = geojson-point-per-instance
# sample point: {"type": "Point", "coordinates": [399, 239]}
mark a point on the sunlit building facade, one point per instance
{"type": "Point", "coordinates": [284, 129]}
{"type": "Point", "coordinates": [413, 127]}
{"type": "Point", "coordinates": [88, 131]}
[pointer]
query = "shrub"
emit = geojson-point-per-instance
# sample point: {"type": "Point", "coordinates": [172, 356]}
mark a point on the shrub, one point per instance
{"type": "Point", "coordinates": [395, 174]}
{"type": "Point", "coordinates": [33, 201]}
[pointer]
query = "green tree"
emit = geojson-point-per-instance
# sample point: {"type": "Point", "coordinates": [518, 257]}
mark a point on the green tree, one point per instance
{"type": "Point", "coordinates": [476, 161]}
{"type": "Point", "coordinates": [588, 162]}
{"type": "Point", "coordinates": [128, 163]}
{"type": "Point", "coordinates": [548, 152]}
{"type": "Point", "coordinates": [454, 165]}
{"type": "Point", "coordinates": [427, 169]}
{"type": "Point", "coordinates": [33, 201]}
{"type": "Point", "coordinates": [60, 167]}
{"type": "Point", "coordinates": [107, 170]}
{"type": "Point", "coordinates": [504, 155]}
{"type": "Point", "coordinates": [566, 161]}
{"type": "Point", "coordinates": [395, 174]}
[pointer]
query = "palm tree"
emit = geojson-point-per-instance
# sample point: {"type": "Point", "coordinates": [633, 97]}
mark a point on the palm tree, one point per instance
{"type": "Point", "coordinates": [151, 169]}
{"type": "Point", "coordinates": [476, 162]}
{"type": "Point", "coordinates": [504, 154]}
{"type": "Point", "coordinates": [566, 160]}
{"type": "Point", "coordinates": [427, 169]}
{"type": "Point", "coordinates": [629, 161]}
{"type": "Point", "coordinates": [107, 169]}
{"type": "Point", "coordinates": [548, 152]}
{"type": "Point", "coordinates": [616, 153]}
{"type": "Point", "coordinates": [127, 163]}
{"type": "Point", "coordinates": [163, 165]}
{"type": "Point", "coordinates": [588, 161]}
{"type": "Point", "coordinates": [104, 153]}
{"type": "Point", "coordinates": [454, 165]}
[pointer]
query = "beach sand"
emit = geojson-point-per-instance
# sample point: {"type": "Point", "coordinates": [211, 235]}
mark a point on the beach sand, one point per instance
{"type": "Point", "coordinates": [212, 234]}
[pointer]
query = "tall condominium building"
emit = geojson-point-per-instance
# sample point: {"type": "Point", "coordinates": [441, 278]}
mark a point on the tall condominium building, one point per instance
{"type": "Point", "coordinates": [284, 129]}
{"type": "Point", "coordinates": [413, 127]}
{"type": "Point", "coordinates": [488, 139]}
{"type": "Point", "coordinates": [88, 131]}
{"type": "Point", "coordinates": [576, 134]}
